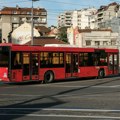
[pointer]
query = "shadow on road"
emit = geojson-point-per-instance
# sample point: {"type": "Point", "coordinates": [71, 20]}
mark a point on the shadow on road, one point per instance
{"type": "Point", "coordinates": [11, 114]}
{"type": "Point", "coordinates": [99, 82]}
{"type": "Point", "coordinates": [22, 109]}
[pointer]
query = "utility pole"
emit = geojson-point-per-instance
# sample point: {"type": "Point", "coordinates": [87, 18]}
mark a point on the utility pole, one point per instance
{"type": "Point", "coordinates": [32, 22]}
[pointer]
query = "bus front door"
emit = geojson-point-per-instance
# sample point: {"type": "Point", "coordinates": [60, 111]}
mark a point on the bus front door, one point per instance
{"type": "Point", "coordinates": [71, 65]}
{"type": "Point", "coordinates": [34, 66]}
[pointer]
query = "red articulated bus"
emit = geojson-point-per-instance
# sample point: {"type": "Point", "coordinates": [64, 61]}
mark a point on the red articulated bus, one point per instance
{"type": "Point", "coordinates": [19, 63]}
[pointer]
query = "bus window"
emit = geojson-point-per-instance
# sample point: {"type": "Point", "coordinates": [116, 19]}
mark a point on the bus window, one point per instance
{"type": "Point", "coordinates": [93, 59]}
{"type": "Point", "coordinates": [55, 58]}
{"type": "Point", "coordinates": [90, 59]}
{"type": "Point", "coordinates": [16, 60]}
{"type": "Point", "coordinates": [4, 57]}
{"type": "Point", "coordinates": [103, 59]}
{"type": "Point", "coordinates": [96, 59]}
{"type": "Point", "coordinates": [83, 57]}
{"type": "Point", "coordinates": [86, 59]}
{"type": "Point", "coordinates": [100, 59]}
{"type": "Point", "coordinates": [51, 59]}
{"type": "Point", "coordinates": [58, 59]}
{"type": "Point", "coordinates": [61, 58]}
{"type": "Point", "coordinates": [44, 59]}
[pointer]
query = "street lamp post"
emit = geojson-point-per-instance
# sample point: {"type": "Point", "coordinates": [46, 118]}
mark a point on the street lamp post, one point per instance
{"type": "Point", "coordinates": [32, 25]}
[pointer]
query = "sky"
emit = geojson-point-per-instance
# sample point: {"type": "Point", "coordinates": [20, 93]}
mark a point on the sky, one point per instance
{"type": "Point", "coordinates": [55, 7]}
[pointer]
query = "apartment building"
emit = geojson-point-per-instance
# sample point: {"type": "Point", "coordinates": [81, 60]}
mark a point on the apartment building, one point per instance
{"type": "Point", "coordinates": [105, 13]}
{"type": "Point", "coordinates": [84, 18]}
{"type": "Point", "coordinates": [65, 19]}
{"type": "Point", "coordinates": [12, 17]}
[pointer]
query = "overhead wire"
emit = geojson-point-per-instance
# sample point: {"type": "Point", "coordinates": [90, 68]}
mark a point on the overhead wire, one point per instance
{"type": "Point", "coordinates": [14, 2]}
{"type": "Point", "coordinates": [52, 11]}
{"type": "Point", "coordinates": [68, 3]}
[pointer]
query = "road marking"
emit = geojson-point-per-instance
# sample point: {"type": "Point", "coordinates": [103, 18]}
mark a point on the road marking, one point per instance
{"type": "Point", "coordinates": [64, 109]}
{"type": "Point", "coordinates": [116, 86]}
{"type": "Point", "coordinates": [86, 86]}
{"type": "Point", "coordinates": [61, 115]}
{"type": "Point", "coordinates": [21, 95]}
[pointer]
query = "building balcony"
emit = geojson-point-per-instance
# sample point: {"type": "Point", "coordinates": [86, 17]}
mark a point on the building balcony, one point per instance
{"type": "Point", "coordinates": [35, 21]}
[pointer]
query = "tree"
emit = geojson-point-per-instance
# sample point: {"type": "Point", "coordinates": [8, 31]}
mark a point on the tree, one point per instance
{"type": "Point", "coordinates": [62, 34]}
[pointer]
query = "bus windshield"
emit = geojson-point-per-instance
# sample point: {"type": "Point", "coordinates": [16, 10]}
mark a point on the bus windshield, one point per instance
{"type": "Point", "coordinates": [4, 57]}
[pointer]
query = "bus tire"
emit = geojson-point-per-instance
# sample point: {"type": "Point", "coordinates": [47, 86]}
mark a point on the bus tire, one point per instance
{"type": "Point", "coordinates": [48, 77]}
{"type": "Point", "coordinates": [101, 74]}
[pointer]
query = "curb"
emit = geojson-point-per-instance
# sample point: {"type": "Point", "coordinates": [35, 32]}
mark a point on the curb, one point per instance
{"type": "Point", "coordinates": [1, 83]}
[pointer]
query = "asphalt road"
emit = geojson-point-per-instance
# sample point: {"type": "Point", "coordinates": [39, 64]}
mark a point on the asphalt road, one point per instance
{"type": "Point", "coordinates": [90, 99]}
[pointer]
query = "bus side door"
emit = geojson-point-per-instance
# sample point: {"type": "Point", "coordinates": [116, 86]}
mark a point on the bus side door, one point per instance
{"type": "Point", "coordinates": [26, 66]}
{"type": "Point", "coordinates": [113, 63]}
{"type": "Point", "coordinates": [34, 66]}
{"type": "Point", "coordinates": [30, 66]}
{"type": "Point", "coordinates": [75, 64]}
{"type": "Point", "coordinates": [16, 66]}
{"type": "Point", "coordinates": [71, 67]}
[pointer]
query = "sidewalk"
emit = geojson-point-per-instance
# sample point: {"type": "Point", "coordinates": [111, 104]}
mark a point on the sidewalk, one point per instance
{"type": "Point", "coordinates": [1, 83]}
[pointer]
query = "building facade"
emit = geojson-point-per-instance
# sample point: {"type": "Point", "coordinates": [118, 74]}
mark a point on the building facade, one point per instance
{"type": "Point", "coordinates": [12, 17]}
{"type": "Point", "coordinates": [105, 13]}
{"type": "Point", "coordinates": [65, 19]}
{"type": "Point", "coordinates": [99, 38]}
{"type": "Point", "coordinates": [84, 18]}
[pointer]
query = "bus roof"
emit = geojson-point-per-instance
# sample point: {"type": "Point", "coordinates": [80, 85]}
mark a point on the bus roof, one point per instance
{"type": "Point", "coordinates": [16, 47]}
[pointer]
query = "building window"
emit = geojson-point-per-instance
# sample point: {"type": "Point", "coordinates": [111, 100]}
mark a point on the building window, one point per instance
{"type": "Point", "coordinates": [14, 18]}
{"type": "Point", "coordinates": [43, 20]}
{"type": "Point", "coordinates": [23, 19]}
{"type": "Point", "coordinates": [29, 13]}
{"type": "Point", "coordinates": [88, 42]}
{"type": "Point", "coordinates": [43, 13]}
{"type": "Point", "coordinates": [28, 19]}
{"type": "Point", "coordinates": [79, 16]}
{"type": "Point", "coordinates": [113, 42]}
{"type": "Point", "coordinates": [14, 26]}
{"type": "Point", "coordinates": [37, 13]}
{"type": "Point", "coordinates": [23, 12]}
{"type": "Point", "coordinates": [105, 43]}
{"type": "Point", "coordinates": [14, 12]}
{"type": "Point", "coordinates": [97, 43]}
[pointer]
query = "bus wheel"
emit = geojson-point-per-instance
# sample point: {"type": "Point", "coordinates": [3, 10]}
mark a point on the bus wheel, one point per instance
{"type": "Point", "coordinates": [48, 77]}
{"type": "Point", "coordinates": [101, 74]}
